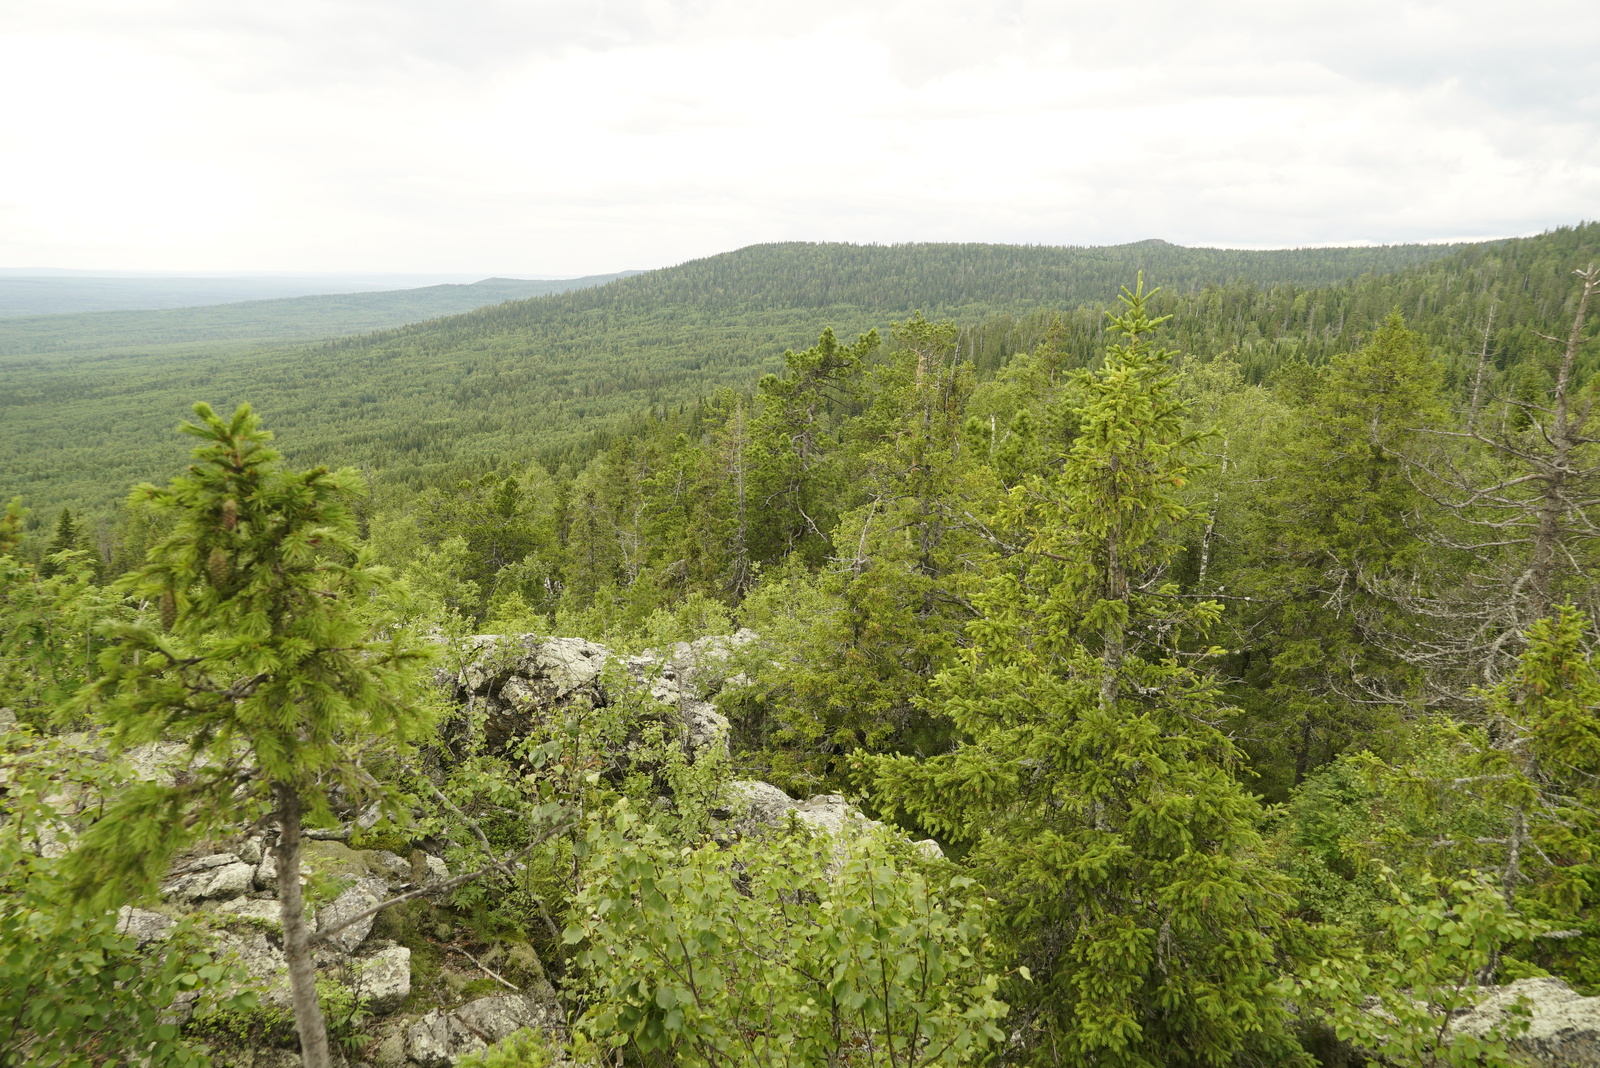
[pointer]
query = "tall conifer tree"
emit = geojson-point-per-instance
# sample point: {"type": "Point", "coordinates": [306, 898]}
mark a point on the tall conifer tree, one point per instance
{"type": "Point", "coordinates": [1098, 801]}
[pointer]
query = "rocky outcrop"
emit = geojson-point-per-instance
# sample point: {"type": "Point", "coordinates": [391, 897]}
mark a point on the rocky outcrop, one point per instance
{"type": "Point", "coordinates": [515, 680]}
{"type": "Point", "coordinates": [220, 875]}
{"type": "Point", "coordinates": [1563, 1026]}
{"type": "Point", "coordinates": [352, 903]}
{"type": "Point", "coordinates": [441, 1038]}
{"type": "Point", "coordinates": [758, 805]}
{"type": "Point", "coordinates": [145, 926]}
{"type": "Point", "coordinates": [520, 680]}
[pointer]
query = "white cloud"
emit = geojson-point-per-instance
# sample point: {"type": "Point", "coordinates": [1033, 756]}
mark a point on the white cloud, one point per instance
{"type": "Point", "coordinates": [554, 137]}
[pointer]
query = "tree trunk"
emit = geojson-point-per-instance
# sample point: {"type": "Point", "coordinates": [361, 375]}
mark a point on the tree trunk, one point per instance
{"type": "Point", "coordinates": [296, 935]}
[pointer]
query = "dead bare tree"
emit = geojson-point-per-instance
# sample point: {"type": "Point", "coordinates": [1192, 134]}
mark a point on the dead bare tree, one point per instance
{"type": "Point", "coordinates": [1518, 493]}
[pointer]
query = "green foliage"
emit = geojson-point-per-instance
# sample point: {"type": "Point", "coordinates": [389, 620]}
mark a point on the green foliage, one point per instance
{"type": "Point", "coordinates": [1335, 521]}
{"type": "Point", "coordinates": [48, 639]}
{"type": "Point", "coordinates": [1097, 801]}
{"type": "Point", "coordinates": [259, 658]}
{"type": "Point", "coordinates": [1400, 1006]}
{"type": "Point", "coordinates": [559, 377]}
{"type": "Point", "coordinates": [521, 1049]}
{"type": "Point", "coordinates": [74, 991]}
{"type": "Point", "coordinates": [760, 954]}
{"type": "Point", "coordinates": [62, 334]}
{"type": "Point", "coordinates": [346, 1013]}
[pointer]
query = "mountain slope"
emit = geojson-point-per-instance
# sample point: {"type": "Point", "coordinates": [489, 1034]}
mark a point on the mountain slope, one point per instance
{"type": "Point", "coordinates": [543, 376]}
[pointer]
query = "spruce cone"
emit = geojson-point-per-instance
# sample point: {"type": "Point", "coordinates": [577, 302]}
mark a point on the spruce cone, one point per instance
{"type": "Point", "coordinates": [219, 565]}
{"type": "Point", "coordinates": [230, 514]}
{"type": "Point", "coordinates": [169, 610]}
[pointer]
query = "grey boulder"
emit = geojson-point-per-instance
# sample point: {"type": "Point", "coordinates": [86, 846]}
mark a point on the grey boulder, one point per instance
{"type": "Point", "coordinates": [220, 875]}
{"type": "Point", "coordinates": [1563, 1029]}
{"type": "Point", "coordinates": [383, 980]}
{"type": "Point", "coordinates": [442, 1038]}
{"type": "Point", "coordinates": [353, 902]}
{"type": "Point", "coordinates": [145, 926]}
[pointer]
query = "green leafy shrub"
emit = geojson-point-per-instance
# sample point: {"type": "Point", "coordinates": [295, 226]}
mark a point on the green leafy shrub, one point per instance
{"type": "Point", "coordinates": [761, 954]}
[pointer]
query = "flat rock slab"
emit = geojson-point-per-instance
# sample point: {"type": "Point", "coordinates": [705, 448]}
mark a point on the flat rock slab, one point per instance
{"type": "Point", "coordinates": [265, 913]}
{"type": "Point", "coordinates": [221, 875]}
{"type": "Point", "coordinates": [1563, 1028]}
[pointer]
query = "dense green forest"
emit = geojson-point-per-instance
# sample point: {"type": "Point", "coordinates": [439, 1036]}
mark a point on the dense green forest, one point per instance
{"type": "Point", "coordinates": [1234, 642]}
{"type": "Point", "coordinates": [549, 375]}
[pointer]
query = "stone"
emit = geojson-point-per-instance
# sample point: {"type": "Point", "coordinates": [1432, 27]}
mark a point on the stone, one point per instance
{"type": "Point", "coordinates": [517, 680]}
{"type": "Point", "coordinates": [264, 913]}
{"type": "Point", "coordinates": [383, 979]}
{"type": "Point", "coordinates": [335, 860]}
{"type": "Point", "coordinates": [276, 1058]}
{"type": "Point", "coordinates": [441, 1038]}
{"type": "Point", "coordinates": [390, 1052]}
{"type": "Point", "coordinates": [267, 870]}
{"type": "Point", "coordinates": [145, 926]}
{"type": "Point", "coordinates": [1563, 1030]}
{"type": "Point", "coordinates": [354, 901]}
{"type": "Point", "coordinates": [231, 881]}
{"type": "Point", "coordinates": [159, 762]}
{"type": "Point", "coordinates": [217, 876]}
{"type": "Point", "coordinates": [705, 728]}
{"type": "Point", "coordinates": [268, 1057]}
{"type": "Point", "coordinates": [427, 868]}
{"type": "Point", "coordinates": [262, 961]}
{"type": "Point", "coordinates": [758, 804]}
{"type": "Point", "coordinates": [370, 816]}
{"type": "Point", "coordinates": [832, 814]}
{"type": "Point", "coordinates": [389, 867]}
{"type": "Point", "coordinates": [181, 1011]}
{"type": "Point", "coordinates": [8, 719]}
{"type": "Point", "coordinates": [250, 851]}
{"type": "Point", "coordinates": [688, 669]}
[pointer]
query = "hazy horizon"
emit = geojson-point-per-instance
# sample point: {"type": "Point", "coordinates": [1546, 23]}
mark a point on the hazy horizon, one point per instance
{"type": "Point", "coordinates": [543, 139]}
{"type": "Point", "coordinates": [426, 278]}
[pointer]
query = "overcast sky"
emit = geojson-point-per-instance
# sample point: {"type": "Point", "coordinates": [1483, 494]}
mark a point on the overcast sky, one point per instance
{"type": "Point", "coordinates": [565, 138]}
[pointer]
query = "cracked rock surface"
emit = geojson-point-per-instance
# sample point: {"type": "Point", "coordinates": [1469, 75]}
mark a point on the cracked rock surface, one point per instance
{"type": "Point", "coordinates": [441, 1038]}
{"type": "Point", "coordinates": [1563, 1028]}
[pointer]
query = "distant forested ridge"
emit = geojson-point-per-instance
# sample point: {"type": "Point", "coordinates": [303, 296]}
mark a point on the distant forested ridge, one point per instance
{"type": "Point", "coordinates": [275, 320]}
{"type": "Point", "coordinates": [560, 373]}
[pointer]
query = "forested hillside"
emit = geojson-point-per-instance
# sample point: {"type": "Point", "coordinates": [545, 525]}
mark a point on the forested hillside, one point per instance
{"type": "Point", "coordinates": [558, 373]}
{"type": "Point", "coordinates": [1230, 650]}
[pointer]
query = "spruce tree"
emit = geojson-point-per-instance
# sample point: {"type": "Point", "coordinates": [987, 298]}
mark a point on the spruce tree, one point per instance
{"type": "Point", "coordinates": [1097, 799]}
{"type": "Point", "coordinates": [261, 661]}
{"type": "Point", "coordinates": [65, 539]}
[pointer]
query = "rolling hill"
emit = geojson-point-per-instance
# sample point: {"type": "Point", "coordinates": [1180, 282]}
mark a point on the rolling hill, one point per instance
{"type": "Point", "coordinates": [551, 375]}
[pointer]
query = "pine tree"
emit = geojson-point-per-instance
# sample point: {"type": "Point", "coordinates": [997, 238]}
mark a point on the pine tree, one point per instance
{"type": "Point", "coordinates": [260, 661]}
